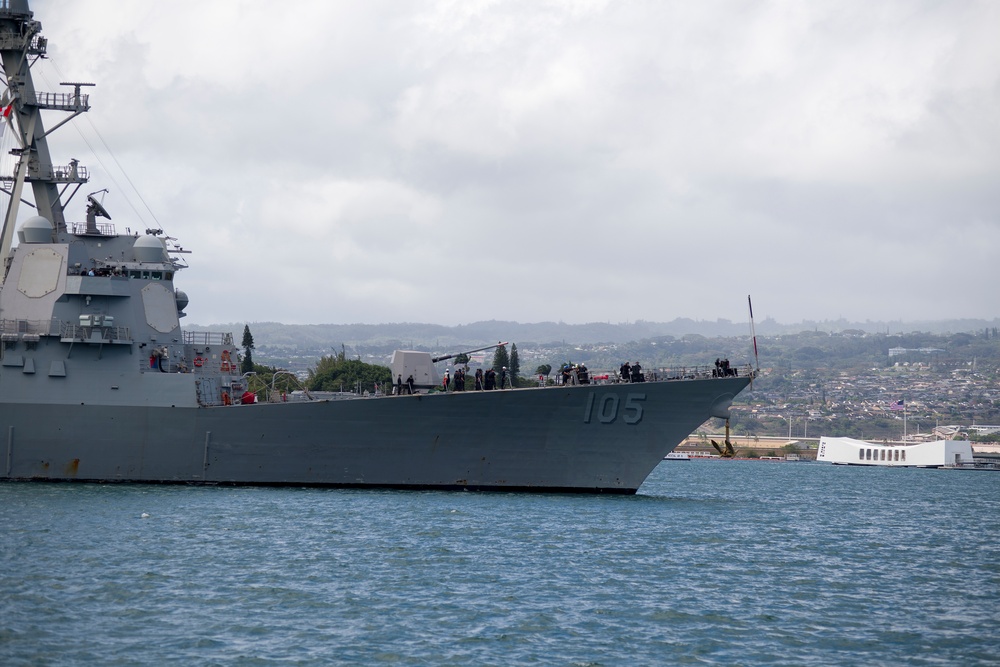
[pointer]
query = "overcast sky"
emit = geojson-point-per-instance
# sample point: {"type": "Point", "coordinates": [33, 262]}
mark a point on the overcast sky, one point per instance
{"type": "Point", "coordinates": [576, 161]}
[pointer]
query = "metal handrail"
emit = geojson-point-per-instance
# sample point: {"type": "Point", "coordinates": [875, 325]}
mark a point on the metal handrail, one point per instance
{"type": "Point", "coordinates": [50, 327]}
{"type": "Point", "coordinates": [207, 338]}
{"type": "Point", "coordinates": [81, 333]}
{"type": "Point", "coordinates": [60, 100]}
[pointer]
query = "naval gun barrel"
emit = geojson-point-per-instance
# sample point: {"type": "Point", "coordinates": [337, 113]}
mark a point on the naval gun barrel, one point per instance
{"type": "Point", "coordinates": [449, 356]}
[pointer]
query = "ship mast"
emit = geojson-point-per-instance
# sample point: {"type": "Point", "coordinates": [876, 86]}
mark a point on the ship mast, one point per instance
{"type": "Point", "coordinates": [21, 45]}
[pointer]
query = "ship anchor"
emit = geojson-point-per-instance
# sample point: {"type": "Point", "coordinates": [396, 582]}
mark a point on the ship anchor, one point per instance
{"type": "Point", "coordinates": [727, 452]}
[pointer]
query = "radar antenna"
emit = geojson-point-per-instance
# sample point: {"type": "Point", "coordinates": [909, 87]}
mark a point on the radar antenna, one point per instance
{"type": "Point", "coordinates": [94, 209]}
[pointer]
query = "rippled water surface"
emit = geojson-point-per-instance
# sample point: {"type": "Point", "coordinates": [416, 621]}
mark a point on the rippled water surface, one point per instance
{"type": "Point", "coordinates": [714, 562]}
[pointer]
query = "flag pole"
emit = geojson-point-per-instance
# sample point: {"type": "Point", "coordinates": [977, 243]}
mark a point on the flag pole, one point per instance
{"type": "Point", "coordinates": [753, 335]}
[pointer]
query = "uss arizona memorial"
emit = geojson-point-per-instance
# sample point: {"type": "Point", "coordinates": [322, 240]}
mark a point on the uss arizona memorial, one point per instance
{"type": "Point", "coordinates": [936, 454]}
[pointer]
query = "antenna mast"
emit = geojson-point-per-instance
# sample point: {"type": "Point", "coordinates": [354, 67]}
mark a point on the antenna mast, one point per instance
{"type": "Point", "coordinates": [21, 45]}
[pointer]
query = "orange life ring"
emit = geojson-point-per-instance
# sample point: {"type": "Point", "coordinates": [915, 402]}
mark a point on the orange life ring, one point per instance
{"type": "Point", "coordinates": [199, 362]}
{"type": "Point", "coordinates": [224, 366]}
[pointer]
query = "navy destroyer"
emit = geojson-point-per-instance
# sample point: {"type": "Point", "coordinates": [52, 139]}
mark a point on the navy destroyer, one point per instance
{"type": "Point", "coordinates": [99, 382]}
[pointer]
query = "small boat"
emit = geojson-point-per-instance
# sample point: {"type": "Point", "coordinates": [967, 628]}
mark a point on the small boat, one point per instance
{"type": "Point", "coordinates": [677, 456]}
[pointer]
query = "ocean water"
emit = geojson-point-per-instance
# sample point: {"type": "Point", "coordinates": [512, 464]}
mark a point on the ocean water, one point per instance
{"type": "Point", "coordinates": [712, 563]}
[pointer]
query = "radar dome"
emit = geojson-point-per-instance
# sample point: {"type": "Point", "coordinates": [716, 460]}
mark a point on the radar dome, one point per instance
{"type": "Point", "coordinates": [36, 230]}
{"type": "Point", "coordinates": [150, 249]}
{"type": "Point", "coordinates": [182, 300]}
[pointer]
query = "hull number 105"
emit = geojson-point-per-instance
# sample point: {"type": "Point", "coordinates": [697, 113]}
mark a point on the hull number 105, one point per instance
{"type": "Point", "coordinates": [605, 409]}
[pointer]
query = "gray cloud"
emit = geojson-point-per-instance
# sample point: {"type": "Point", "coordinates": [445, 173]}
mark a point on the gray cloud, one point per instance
{"type": "Point", "coordinates": [576, 161]}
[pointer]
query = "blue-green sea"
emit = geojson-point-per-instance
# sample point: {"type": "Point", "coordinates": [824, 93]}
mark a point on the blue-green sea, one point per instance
{"type": "Point", "coordinates": [712, 563]}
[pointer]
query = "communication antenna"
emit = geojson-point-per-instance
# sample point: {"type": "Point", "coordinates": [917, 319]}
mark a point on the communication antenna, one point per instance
{"type": "Point", "coordinates": [98, 207]}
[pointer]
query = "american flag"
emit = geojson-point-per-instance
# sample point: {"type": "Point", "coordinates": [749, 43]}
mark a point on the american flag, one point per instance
{"type": "Point", "coordinates": [898, 405]}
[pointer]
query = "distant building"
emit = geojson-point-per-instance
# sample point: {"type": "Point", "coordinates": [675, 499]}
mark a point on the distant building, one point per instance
{"type": "Point", "coordinates": [899, 351]}
{"type": "Point", "coordinates": [947, 432]}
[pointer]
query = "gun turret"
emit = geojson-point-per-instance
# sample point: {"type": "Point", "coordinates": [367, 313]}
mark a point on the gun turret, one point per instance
{"type": "Point", "coordinates": [449, 356]}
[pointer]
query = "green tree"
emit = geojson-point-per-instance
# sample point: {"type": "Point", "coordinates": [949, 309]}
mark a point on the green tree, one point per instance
{"type": "Point", "coordinates": [500, 359]}
{"type": "Point", "coordinates": [461, 359]}
{"type": "Point", "coordinates": [247, 364]}
{"type": "Point", "coordinates": [515, 366]}
{"type": "Point", "coordinates": [544, 369]}
{"type": "Point", "coordinates": [338, 373]}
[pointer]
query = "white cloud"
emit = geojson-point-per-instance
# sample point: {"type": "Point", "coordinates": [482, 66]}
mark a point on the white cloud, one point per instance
{"type": "Point", "coordinates": [453, 161]}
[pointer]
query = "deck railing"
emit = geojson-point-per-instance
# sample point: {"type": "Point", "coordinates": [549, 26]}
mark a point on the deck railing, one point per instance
{"type": "Point", "coordinates": [80, 228]}
{"type": "Point", "coordinates": [50, 327]}
{"type": "Point", "coordinates": [70, 331]}
{"type": "Point", "coordinates": [662, 374]}
{"type": "Point", "coordinates": [207, 338]}
{"type": "Point", "coordinates": [64, 101]}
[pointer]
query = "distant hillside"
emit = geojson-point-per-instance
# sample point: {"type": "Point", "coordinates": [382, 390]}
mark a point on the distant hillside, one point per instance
{"type": "Point", "coordinates": [407, 334]}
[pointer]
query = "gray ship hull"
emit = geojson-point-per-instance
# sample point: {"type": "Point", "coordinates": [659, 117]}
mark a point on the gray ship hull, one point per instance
{"type": "Point", "coordinates": [100, 382]}
{"type": "Point", "coordinates": [597, 438]}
